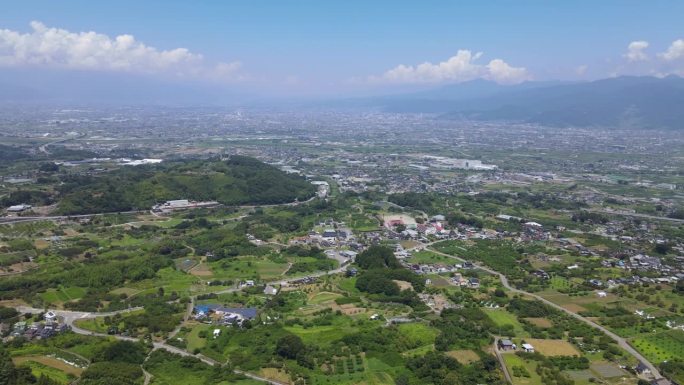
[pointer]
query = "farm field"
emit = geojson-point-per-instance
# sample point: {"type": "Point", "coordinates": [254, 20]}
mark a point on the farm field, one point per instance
{"type": "Point", "coordinates": [551, 348]}
{"type": "Point", "coordinates": [661, 346]}
{"type": "Point", "coordinates": [50, 367]}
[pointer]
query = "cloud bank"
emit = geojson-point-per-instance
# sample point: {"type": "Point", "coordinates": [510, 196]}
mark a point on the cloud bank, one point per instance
{"type": "Point", "coordinates": [59, 48]}
{"type": "Point", "coordinates": [674, 52]}
{"type": "Point", "coordinates": [459, 68]}
{"type": "Point", "coordinates": [635, 51]}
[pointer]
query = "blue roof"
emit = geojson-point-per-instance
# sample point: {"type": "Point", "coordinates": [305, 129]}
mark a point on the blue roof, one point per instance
{"type": "Point", "coordinates": [206, 308]}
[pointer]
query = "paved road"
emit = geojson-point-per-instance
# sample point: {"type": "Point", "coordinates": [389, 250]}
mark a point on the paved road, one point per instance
{"type": "Point", "coordinates": [620, 341]}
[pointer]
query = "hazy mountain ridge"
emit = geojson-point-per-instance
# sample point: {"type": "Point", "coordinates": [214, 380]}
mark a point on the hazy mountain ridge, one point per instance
{"type": "Point", "coordinates": [623, 102]}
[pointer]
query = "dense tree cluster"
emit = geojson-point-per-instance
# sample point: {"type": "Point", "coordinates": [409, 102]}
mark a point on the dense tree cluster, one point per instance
{"type": "Point", "coordinates": [238, 180]}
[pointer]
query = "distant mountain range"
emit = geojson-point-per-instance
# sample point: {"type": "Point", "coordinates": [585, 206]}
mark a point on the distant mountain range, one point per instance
{"type": "Point", "coordinates": [622, 102]}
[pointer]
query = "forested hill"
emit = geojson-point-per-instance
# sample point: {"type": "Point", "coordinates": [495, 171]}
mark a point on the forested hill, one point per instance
{"type": "Point", "coordinates": [237, 181]}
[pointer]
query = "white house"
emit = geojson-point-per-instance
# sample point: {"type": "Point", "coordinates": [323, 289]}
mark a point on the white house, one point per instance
{"type": "Point", "coordinates": [217, 332]}
{"type": "Point", "coordinates": [528, 348]}
{"type": "Point", "coordinates": [50, 316]}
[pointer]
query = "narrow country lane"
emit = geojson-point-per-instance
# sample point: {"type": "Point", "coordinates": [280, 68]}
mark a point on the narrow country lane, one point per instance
{"type": "Point", "coordinates": [620, 341]}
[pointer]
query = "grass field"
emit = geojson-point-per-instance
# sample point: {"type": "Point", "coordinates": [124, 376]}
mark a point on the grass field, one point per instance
{"type": "Point", "coordinates": [661, 346]}
{"type": "Point", "coordinates": [540, 322]}
{"type": "Point", "coordinates": [502, 318]}
{"type": "Point", "coordinates": [418, 334]}
{"type": "Point", "coordinates": [559, 283]}
{"type": "Point", "coordinates": [168, 278]}
{"type": "Point", "coordinates": [347, 285]}
{"type": "Point", "coordinates": [193, 339]}
{"type": "Point", "coordinates": [62, 294]}
{"type": "Point", "coordinates": [323, 334]}
{"type": "Point", "coordinates": [465, 357]}
{"type": "Point", "coordinates": [552, 348]}
{"type": "Point", "coordinates": [97, 324]}
{"type": "Point", "coordinates": [247, 268]}
{"type": "Point", "coordinates": [513, 361]}
{"type": "Point", "coordinates": [322, 297]}
{"type": "Point", "coordinates": [428, 257]}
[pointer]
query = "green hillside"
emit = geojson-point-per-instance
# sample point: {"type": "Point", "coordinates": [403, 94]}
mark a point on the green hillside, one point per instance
{"type": "Point", "coordinates": [237, 181]}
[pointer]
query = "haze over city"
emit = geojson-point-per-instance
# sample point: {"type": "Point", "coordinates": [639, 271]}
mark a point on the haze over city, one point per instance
{"type": "Point", "coordinates": [342, 192]}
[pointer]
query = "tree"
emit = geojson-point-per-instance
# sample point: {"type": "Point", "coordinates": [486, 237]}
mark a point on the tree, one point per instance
{"type": "Point", "coordinates": [289, 346]}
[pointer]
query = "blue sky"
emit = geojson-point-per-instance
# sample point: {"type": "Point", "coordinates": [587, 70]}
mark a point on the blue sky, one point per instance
{"type": "Point", "coordinates": [319, 46]}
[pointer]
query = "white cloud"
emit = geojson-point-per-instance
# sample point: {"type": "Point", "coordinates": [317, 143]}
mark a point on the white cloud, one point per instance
{"type": "Point", "coordinates": [674, 52]}
{"type": "Point", "coordinates": [635, 51]}
{"type": "Point", "coordinates": [459, 68]}
{"type": "Point", "coordinates": [59, 48]}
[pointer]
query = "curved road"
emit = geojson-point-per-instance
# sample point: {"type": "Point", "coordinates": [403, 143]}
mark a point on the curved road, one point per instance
{"type": "Point", "coordinates": [70, 317]}
{"type": "Point", "coordinates": [620, 341]}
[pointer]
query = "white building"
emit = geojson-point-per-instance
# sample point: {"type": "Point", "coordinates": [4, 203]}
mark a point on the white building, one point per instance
{"type": "Point", "coordinates": [18, 208]}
